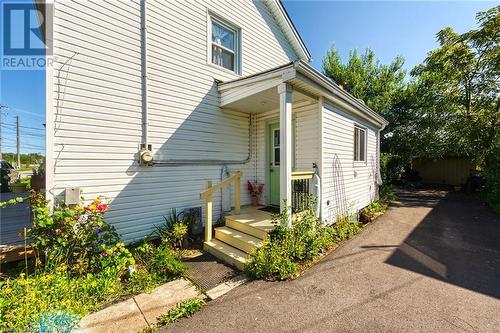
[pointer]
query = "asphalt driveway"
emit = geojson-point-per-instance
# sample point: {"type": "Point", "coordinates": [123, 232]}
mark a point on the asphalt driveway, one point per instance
{"type": "Point", "coordinates": [430, 264]}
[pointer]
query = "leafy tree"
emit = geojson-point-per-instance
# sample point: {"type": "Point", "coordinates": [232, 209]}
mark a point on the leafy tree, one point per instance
{"type": "Point", "coordinates": [459, 83]}
{"type": "Point", "coordinates": [366, 78]}
{"type": "Point", "coordinates": [31, 158]}
{"type": "Point", "coordinates": [414, 131]}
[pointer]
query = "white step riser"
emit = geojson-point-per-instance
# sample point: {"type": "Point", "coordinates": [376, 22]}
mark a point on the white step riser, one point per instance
{"type": "Point", "coordinates": [259, 233]}
{"type": "Point", "coordinates": [234, 242]}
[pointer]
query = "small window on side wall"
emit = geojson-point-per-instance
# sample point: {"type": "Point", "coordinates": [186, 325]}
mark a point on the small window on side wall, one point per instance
{"type": "Point", "coordinates": [224, 45]}
{"type": "Point", "coordinates": [359, 144]}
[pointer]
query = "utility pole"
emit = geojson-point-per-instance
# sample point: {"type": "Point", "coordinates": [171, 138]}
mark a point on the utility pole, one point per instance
{"type": "Point", "coordinates": [18, 144]}
{"type": "Point", "coordinates": [1, 108]}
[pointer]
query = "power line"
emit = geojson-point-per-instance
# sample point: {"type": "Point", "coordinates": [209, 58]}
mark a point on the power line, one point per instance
{"type": "Point", "coordinates": [39, 135]}
{"type": "Point", "coordinates": [26, 112]}
{"type": "Point", "coordinates": [33, 128]}
{"type": "Point", "coordinates": [26, 127]}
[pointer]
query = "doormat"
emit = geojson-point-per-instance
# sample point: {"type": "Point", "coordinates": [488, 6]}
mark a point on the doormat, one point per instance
{"type": "Point", "coordinates": [207, 272]}
{"type": "Point", "coordinates": [270, 209]}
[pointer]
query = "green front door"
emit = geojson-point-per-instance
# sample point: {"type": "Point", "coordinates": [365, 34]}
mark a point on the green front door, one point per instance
{"type": "Point", "coordinates": [274, 164]}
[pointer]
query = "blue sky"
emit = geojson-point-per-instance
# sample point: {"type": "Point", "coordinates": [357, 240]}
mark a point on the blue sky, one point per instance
{"type": "Point", "coordinates": [23, 92]}
{"type": "Point", "coordinates": [389, 28]}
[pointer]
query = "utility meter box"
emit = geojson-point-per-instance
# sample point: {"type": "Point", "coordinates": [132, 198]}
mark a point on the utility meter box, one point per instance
{"type": "Point", "coordinates": [72, 196]}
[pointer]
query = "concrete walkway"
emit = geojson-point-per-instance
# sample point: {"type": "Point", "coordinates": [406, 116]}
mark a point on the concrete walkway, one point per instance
{"type": "Point", "coordinates": [140, 311]}
{"type": "Point", "coordinates": [430, 264]}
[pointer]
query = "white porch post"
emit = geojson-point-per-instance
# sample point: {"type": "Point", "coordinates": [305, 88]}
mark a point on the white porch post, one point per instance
{"type": "Point", "coordinates": [285, 92]}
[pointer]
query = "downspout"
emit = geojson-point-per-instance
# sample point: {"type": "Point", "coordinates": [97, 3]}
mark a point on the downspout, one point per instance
{"type": "Point", "coordinates": [378, 179]}
{"type": "Point", "coordinates": [144, 74]}
{"type": "Point", "coordinates": [317, 183]}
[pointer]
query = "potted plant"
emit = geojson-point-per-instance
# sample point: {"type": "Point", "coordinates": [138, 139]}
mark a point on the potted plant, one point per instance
{"type": "Point", "coordinates": [255, 191]}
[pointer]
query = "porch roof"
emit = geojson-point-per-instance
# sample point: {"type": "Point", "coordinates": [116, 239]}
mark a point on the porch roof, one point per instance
{"type": "Point", "coordinates": [258, 92]}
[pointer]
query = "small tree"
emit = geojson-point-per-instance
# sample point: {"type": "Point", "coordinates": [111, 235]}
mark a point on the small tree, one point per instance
{"type": "Point", "coordinates": [366, 78]}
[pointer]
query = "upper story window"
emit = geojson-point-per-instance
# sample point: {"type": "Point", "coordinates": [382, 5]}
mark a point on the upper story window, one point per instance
{"type": "Point", "coordinates": [224, 48]}
{"type": "Point", "coordinates": [359, 144]}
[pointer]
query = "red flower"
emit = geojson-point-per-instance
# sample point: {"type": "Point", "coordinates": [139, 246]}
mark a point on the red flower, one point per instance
{"type": "Point", "coordinates": [102, 207]}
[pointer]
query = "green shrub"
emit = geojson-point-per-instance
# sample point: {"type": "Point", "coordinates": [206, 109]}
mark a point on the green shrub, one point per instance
{"type": "Point", "coordinates": [159, 259]}
{"type": "Point", "coordinates": [271, 261]}
{"type": "Point", "coordinates": [164, 262]}
{"type": "Point", "coordinates": [491, 173]}
{"type": "Point", "coordinates": [368, 213]}
{"type": "Point", "coordinates": [344, 229]}
{"type": "Point", "coordinates": [391, 171]}
{"type": "Point", "coordinates": [76, 236]}
{"type": "Point", "coordinates": [286, 247]}
{"type": "Point", "coordinates": [386, 193]}
{"type": "Point", "coordinates": [155, 265]}
{"type": "Point", "coordinates": [175, 229]}
{"type": "Point", "coordinates": [115, 260]}
{"type": "Point", "coordinates": [143, 280]}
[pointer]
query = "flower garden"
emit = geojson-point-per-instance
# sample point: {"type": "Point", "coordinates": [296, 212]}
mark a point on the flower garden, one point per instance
{"type": "Point", "coordinates": [80, 264]}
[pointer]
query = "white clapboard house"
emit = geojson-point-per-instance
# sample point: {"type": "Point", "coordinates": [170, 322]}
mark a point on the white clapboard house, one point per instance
{"type": "Point", "coordinates": [177, 104]}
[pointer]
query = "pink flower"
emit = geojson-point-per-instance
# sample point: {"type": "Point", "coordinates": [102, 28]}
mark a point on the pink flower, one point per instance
{"type": "Point", "coordinates": [58, 232]}
{"type": "Point", "coordinates": [255, 189]}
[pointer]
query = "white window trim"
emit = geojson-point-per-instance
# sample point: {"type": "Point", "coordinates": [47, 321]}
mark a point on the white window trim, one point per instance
{"type": "Point", "coordinates": [237, 43]}
{"type": "Point", "coordinates": [362, 128]}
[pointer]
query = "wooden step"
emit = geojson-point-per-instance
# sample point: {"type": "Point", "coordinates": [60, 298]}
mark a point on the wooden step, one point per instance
{"type": "Point", "coordinates": [237, 239]}
{"type": "Point", "coordinates": [249, 226]}
{"type": "Point", "coordinates": [226, 253]}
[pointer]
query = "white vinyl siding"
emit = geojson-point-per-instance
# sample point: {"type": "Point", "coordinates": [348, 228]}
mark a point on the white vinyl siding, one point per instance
{"type": "Point", "coordinates": [347, 185]}
{"type": "Point", "coordinates": [97, 102]}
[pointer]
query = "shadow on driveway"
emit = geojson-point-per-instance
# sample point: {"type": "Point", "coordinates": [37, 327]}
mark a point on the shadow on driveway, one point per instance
{"type": "Point", "coordinates": [458, 242]}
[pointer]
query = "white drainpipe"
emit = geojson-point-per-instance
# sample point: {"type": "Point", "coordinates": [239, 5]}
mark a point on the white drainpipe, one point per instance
{"type": "Point", "coordinates": [144, 73]}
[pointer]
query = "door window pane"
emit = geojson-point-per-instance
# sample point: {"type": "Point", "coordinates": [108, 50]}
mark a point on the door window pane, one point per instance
{"type": "Point", "coordinates": [276, 146]}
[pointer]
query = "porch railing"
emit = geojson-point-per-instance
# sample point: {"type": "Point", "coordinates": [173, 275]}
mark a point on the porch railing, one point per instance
{"type": "Point", "coordinates": [301, 186]}
{"type": "Point", "coordinates": [206, 196]}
